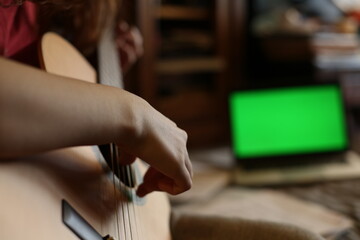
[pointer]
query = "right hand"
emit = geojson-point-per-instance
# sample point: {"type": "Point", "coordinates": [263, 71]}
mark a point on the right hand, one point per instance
{"type": "Point", "coordinates": [159, 142]}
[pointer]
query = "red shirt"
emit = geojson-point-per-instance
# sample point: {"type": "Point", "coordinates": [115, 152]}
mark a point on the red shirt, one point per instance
{"type": "Point", "coordinates": [19, 32]}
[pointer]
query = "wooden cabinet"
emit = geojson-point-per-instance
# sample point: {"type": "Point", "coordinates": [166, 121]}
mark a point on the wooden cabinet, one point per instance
{"type": "Point", "coordinates": [185, 70]}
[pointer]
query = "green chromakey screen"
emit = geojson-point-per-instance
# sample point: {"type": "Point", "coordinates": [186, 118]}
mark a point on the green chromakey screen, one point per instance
{"type": "Point", "coordinates": [288, 121]}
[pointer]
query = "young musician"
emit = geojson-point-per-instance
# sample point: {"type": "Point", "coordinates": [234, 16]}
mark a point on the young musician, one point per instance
{"type": "Point", "coordinates": [41, 112]}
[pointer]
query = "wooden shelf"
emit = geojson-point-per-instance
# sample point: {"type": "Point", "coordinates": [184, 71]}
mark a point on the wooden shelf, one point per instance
{"type": "Point", "coordinates": [189, 105]}
{"type": "Point", "coordinates": [206, 133]}
{"type": "Point", "coordinates": [170, 12]}
{"type": "Point", "coordinates": [190, 65]}
{"type": "Point", "coordinates": [185, 73]}
{"type": "Point", "coordinates": [200, 114]}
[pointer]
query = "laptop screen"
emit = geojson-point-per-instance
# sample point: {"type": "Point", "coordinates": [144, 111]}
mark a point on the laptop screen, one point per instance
{"type": "Point", "coordinates": [288, 121]}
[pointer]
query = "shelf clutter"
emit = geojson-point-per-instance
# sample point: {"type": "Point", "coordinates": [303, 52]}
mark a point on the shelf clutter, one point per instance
{"type": "Point", "coordinates": [182, 13]}
{"type": "Point", "coordinates": [190, 65]}
{"type": "Point", "coordinates": [184, 72]}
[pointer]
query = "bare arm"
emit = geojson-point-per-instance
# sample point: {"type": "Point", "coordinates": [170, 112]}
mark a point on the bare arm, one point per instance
{"type": "Point", "coordinates": [41, 112]}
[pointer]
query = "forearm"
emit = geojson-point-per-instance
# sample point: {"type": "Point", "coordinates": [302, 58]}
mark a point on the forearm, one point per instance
{"type": "Point", "coordinates": [41, 112]}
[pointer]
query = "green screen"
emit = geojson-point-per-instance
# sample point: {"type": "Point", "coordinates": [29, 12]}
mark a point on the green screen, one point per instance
{"type": "Point", "coordinates": [287, 121]}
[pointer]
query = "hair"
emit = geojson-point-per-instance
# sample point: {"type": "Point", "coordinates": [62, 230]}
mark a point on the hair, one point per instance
{"type": "Point", "coordinates": [82, 21]}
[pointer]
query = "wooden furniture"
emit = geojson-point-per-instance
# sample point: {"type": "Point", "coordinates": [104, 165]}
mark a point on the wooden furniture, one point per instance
{"type": "Point", "coordinates": [185, 72]}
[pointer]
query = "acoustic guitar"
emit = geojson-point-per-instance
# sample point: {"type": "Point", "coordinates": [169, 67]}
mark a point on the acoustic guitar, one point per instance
{"type": "Point", "coordinates": [77, 193]}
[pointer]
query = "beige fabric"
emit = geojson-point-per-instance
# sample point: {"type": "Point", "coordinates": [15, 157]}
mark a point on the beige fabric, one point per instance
{"type": "Point", "coordinates": [192, 227]}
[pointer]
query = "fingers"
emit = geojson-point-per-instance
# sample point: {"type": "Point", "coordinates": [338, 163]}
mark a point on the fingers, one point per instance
{"type": "Point", "coordinates": [173, 182]}
{"type": "Point", "coordinates": [136, 39]}
{"type": "Point", "coordinates": [174, 165]}
{"type": "Point", "coordinates": [149, 184]}
{"type": "Point", "coordinates": [182, 182]}
{"type": "Point", "coordinates": [130, 45]}
{"type": "Point", "coordinates": [123, 28]}
{"type": "Point", "coordinates": [127, 57]}
{"type": "Point", "coordinates": [130, 38]}
{"type": "Point", "coordinates": [156, 181]}
{"type": "Point", "coordinates": [160, 143]}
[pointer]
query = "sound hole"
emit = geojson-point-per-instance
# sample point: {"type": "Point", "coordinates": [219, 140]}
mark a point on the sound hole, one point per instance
{"type": "Point", "coordinates": [124, 173]}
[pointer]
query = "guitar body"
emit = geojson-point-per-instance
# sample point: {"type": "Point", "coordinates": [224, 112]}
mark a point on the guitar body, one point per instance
{"type": "Point", "coordinates": [32, 188]}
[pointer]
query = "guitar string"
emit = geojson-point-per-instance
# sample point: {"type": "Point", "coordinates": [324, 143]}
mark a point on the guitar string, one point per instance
{"type": "Point", "coordinates": [116, 222]}
{"type": "Point", "coordinates": [132, 181]}
{"type": "Point", "coordinates": [141, 224]}
{"type": "Point", "coordinates": [102, 198]}
{"type": "Point", "coordinates": [113, 159]}
{"type": "Point", "coordinates": [139, 218]}
{"type": "Point", "coordinates": [126, 205]}
{"type": "Point", "coordinates": [122, 190]}
{"type": "Point", "coordinates": [128, 172]}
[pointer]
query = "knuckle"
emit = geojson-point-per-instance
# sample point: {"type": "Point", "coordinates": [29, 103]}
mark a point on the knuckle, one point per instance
{"type": "Point", "coordinates": [182, 160]}
{"type": "Point", "coordinates": [185, 135]}
{"type": "Point", "coordinates": [187, 185]}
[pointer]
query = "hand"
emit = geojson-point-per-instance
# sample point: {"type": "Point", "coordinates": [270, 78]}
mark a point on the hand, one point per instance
{"type": "Point", "coordinates": [160, 143]}
{"type": "Point", "coordinates": [93, 114]}
{"type": "Point", "coordinates": [130, 45]}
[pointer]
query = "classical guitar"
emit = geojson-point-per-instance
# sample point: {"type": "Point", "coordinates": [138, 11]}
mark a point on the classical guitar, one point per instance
{"type": "Point", "coordinates": [76, 193]}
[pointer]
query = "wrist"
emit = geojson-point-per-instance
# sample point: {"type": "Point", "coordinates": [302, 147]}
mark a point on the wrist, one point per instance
{"type": "Point", "coordinates": [129, 119]}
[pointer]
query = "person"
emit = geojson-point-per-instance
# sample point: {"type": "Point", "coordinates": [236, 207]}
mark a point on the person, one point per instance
{"type": "Point", "coordinates": [36, 107]}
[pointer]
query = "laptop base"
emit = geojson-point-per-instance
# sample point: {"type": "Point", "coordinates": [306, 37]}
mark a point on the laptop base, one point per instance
{"type": "Point", "coordinates": [348, 168]}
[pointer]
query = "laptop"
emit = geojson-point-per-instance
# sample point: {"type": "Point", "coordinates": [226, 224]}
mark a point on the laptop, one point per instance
{"type": "Point", "coordinates": [291, 135]}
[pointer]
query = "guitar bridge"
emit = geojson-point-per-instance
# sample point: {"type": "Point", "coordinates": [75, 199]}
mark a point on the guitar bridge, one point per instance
{"type": "Point", "coordinates": [78, 225]}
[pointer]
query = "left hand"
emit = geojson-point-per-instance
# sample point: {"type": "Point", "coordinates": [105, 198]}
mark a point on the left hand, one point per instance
{"type": "Point", "coordinates": [130, 45]}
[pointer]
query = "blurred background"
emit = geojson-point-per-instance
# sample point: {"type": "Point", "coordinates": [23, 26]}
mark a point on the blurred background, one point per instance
{"type": "Point", "coordinates": [197, 51]}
